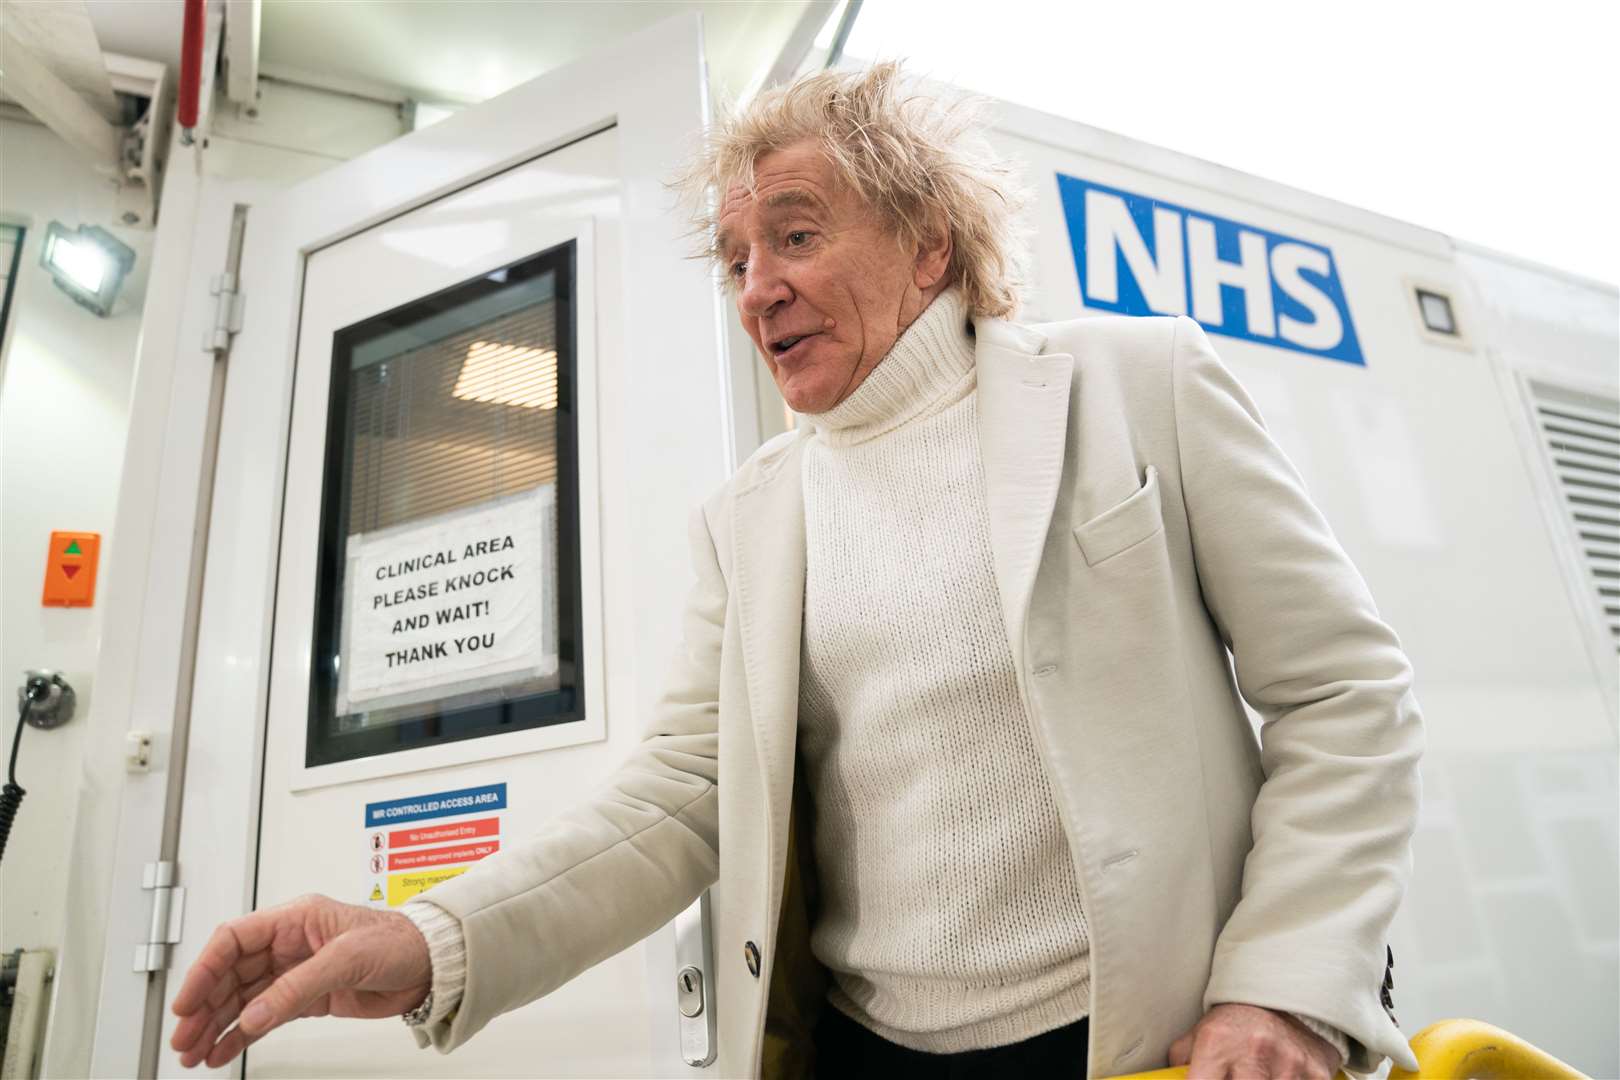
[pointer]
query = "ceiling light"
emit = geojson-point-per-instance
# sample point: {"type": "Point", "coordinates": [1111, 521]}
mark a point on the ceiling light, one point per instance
{"type": "Point", "coordinates": [89, 264]}
{"type": "Point", "coordinates": [508, 375]}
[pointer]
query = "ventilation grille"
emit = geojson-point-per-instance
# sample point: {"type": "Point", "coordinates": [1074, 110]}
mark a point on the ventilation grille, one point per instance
{"type": "Point", "coordinates": [467, 419]}
{"type": "Point", "coordinates": [1582, 434]}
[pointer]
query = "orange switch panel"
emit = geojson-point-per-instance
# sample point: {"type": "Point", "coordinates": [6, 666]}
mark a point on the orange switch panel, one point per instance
{"type": "Point", "coordinates": [70, 569]}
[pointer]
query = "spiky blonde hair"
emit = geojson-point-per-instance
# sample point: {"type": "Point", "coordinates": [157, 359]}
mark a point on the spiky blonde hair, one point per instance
{"type": "Point", "coordinates": [913, 157]}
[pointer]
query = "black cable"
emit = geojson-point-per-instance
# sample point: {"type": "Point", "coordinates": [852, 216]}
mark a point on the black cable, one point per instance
{"type": "Point", "coordinates": [11, 796]}
{"type": "Point", "coordinates": [22, 719]}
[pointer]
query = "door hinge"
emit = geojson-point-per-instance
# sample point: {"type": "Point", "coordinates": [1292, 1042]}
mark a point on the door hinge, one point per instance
{"type": "Point", "coordinates": [225, 289]}
{"type": "Point", "coordinates": [168, 914]}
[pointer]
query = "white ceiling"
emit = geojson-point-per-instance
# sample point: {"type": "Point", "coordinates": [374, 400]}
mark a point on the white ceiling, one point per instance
{"type": "Point", "coordinates": [461, 50]}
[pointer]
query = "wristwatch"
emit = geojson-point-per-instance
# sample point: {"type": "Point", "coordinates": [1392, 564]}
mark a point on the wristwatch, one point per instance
{"type": "Point", "coordinates": [418, 1016]}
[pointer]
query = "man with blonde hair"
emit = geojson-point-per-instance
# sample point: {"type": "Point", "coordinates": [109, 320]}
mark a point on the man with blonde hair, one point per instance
{"type": "Point", "coordinates": [958, 647]}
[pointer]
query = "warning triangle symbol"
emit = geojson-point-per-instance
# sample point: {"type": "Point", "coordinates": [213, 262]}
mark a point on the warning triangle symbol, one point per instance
{"type": "Point", "coordinates": [73, 548]}
{"type": "Point", "coordinates": [70, 571]}
{"type": "Point", "coordinates": [376, 892]}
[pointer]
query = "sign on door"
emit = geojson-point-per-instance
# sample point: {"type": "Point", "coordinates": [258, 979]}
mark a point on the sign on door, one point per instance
{"type": "Point", "coordinates": [448, 831]}
{"type": "Point", "coordinates": [453, 604]}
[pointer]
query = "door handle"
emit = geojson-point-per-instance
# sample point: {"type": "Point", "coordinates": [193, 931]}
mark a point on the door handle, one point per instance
{"type": "Point", "coordinates": [694, 982]}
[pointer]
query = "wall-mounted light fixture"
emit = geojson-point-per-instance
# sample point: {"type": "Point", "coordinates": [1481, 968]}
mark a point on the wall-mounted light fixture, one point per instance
{"type": "Point", "coordinates": [89, 264]}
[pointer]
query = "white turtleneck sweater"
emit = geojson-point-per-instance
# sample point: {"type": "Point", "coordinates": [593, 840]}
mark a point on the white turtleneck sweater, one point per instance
{"type": "Point", "coordinates": [951, 918]}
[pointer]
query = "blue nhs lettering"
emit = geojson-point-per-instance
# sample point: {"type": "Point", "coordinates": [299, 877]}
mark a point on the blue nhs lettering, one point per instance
{"type": "Point", "coordinates": [1142, 256]}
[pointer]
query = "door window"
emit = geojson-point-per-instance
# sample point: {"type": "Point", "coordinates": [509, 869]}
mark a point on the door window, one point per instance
{"type": "Point", "coordinates": [447, 599]}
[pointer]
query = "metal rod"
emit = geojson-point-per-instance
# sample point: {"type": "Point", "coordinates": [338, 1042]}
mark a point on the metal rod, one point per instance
{"type": "Point", "coordinates": [180, 733]}
{"type": "Point", "coordinates": [846, 23]}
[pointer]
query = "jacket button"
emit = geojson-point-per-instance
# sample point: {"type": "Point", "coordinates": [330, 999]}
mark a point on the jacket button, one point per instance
{"type": "Point", "coordinates": [1384, 997]}
{"type": "Point", "coordinates": [751, 957]}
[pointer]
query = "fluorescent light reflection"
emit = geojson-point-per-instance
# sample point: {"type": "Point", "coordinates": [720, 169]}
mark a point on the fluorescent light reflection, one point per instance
{"type": "Point", "coordinates": [503, 374]}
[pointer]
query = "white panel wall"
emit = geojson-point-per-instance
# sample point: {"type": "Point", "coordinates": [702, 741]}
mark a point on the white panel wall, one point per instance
{"type": "Point", "coordinates": [64, 393]}
{"type": "Point", "coordinates": [64, 403]}
{"type": "Point", "coordinates": [1430, 478]}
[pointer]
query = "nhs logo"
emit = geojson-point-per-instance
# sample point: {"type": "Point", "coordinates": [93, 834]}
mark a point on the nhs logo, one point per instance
{"type": "Point", "coordinates": [1142, 256]}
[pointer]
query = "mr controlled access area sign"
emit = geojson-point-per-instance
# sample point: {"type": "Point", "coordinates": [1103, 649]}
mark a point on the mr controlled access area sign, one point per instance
{"type": "Point", "coordinates": [1137, 255]}
{"type": "Point", "coordinates": [444, 834]}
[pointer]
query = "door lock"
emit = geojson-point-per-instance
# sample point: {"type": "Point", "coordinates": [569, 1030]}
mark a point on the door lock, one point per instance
{"type": "Point", "coordinates": [694, 995]}
{"type": "Point", "coordinates": [689, 991]}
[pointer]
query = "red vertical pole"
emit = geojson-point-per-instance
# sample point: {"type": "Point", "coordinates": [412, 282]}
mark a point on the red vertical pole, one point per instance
{"type": "Point", "coordinates": [191, 51]}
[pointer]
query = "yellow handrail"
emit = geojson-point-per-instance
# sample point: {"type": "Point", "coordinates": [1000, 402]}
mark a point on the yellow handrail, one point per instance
{"type": "Point", "coordinates": [1474, 1050]}
{"type": "Point", "coordinates": [1454, 1050]}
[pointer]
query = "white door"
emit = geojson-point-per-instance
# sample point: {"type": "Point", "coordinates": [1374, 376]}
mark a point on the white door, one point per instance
{"type": "Point", "coordinates": [478, 389]}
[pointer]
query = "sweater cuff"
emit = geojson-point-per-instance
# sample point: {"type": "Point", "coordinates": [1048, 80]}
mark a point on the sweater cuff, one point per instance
{"type": "Point", "coordinates": [447, 952]}
{"type": "Point", "coordinates": [1340, 1041]}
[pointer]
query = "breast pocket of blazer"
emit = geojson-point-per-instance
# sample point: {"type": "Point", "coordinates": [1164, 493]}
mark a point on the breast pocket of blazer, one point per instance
{"type": "Point", "coordinates": [1123, 525]}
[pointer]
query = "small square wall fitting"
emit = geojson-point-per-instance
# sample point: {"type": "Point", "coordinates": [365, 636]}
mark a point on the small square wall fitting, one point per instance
{"type": "Point", "coordinates": [1436, 310]}
{"type": "Point", "coordinates": [70, 569]}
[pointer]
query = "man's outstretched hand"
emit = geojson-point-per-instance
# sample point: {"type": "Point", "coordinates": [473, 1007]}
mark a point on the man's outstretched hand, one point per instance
{"type": "Point", "coordinates": [312, 957]}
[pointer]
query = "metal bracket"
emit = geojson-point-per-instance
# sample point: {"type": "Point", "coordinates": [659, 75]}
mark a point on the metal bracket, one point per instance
{"type": "Point", "coordinates": [168, 915]}
{"type": "Point", "coordinates": [138, 751]}
{"type": "Point", "coordinates": [144, 148]}
{"type": "Point", "coordinates": [227, 312]}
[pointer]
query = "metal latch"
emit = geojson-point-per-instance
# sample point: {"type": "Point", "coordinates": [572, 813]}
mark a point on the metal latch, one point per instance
{"type": "Point", "coordinates": [224, 288]}
{"type": "Point", "coordinates": [138, 751]}
{"type": "Point", "coordinates": [168, 913]}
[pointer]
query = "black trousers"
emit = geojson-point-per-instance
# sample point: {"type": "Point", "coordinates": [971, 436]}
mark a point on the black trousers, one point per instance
{"type": "Point", "coordinates": [846, 1049]}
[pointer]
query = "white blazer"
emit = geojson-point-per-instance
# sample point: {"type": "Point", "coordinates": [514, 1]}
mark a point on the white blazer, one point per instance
{"type": "Point", "coordinates": [1143, 522]}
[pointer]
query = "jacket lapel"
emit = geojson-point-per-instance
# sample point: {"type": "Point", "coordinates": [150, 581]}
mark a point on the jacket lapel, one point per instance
{"type": "Point", "coordinates": [768, 526]}
{"type": "Point", "coordinates": [1023, 417]}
